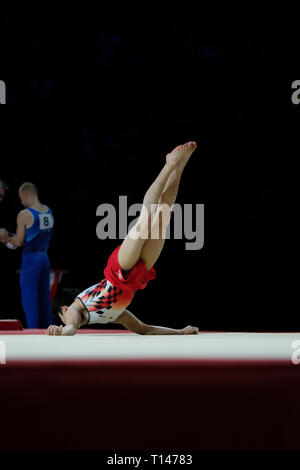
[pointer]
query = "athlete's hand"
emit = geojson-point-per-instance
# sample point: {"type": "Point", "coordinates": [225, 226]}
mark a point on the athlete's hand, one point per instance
{"type": "Point", "coordinates": [54, 330]}
{"type": "Point", "coordinates": [190, 330]}
{"type": "Point", "coordinates": [3, 235]}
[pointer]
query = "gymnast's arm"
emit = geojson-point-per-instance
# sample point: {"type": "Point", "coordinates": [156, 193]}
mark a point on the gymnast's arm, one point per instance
{"type": "Point", "coordinates": [75, 318]}
{"type": "Point", "coordinates": [133, 324]}
{"type": "Point", "coordinates": [24, 219]}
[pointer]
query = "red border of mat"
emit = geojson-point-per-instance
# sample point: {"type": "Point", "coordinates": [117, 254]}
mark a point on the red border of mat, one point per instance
{"type": "Point", "coordinates": [43, 331]}
{"type": "Point", "coordinates": [112, 331]}
{"type": "Point", "coordinates": [150, 404]}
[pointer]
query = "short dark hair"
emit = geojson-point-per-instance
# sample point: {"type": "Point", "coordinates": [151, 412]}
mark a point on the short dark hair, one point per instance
{"type": "Point", "coordinates": [63, 297]}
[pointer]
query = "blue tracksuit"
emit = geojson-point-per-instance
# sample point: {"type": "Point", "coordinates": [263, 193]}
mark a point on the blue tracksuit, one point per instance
{"type": "Point", "coordinates": [35, 270]}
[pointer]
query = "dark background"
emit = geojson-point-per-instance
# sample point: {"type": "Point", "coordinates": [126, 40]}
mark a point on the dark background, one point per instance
{"type": "Point", "coordinates": [101, 105]}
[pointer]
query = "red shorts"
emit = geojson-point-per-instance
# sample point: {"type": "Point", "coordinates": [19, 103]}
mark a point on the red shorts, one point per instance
{"type": "Point", "coordinates": [137, 278]}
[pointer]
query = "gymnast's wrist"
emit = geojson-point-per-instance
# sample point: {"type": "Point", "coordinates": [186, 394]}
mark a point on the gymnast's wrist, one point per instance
{"type": "Point", "coordinates": [69, 330]}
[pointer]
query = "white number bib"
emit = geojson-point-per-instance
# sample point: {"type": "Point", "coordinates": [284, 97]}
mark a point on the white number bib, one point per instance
{"type": "Point", "coordinates": [46, 221]}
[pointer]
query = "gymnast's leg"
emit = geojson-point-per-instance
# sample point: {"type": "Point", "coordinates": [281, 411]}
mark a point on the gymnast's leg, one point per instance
{"type": "Point", "coordinates": [154, 245]}
{"type": "Point", "coordinates": [131, 248]}
{"type": "Point", "coordinates": [44, 293]}
{"type": "Point", "coordinates": [29, 279]}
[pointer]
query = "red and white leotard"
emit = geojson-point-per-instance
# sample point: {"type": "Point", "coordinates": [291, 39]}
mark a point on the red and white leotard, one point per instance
{"type": "Point", "coordinates": [106, 300]}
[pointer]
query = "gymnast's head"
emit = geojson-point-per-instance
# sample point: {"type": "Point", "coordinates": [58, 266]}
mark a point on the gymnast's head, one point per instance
{"type": "Point", "coordinates": [61, 302]}
{"type": "Point", "coordinates": [28, 194]}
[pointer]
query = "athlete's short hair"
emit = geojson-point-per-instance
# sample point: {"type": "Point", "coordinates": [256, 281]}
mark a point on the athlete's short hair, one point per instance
{"type": "Point", "coordinates": [30, 187]}
{"type": "Point", "coordinates": [63, 297]}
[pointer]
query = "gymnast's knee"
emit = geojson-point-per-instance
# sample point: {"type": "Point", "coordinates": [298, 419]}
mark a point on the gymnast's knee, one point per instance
{"type": "Point", "coordinates": [161, 220]}
{"type": "Point", "coordinates": [143, 226]}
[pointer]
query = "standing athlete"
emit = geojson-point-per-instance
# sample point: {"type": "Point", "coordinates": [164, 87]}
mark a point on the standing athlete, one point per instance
{"type": "Point", "coordinates": [131, 265]}
{"type": "Point", "coordinates": [34, 232]}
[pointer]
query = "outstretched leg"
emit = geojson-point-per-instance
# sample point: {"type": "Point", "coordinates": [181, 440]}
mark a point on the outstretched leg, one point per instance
{"type": "Point", "coordinates": [154, 245]}
{"type": "Point", "coordinates": [162, 191]}
{"type": "Point", "coordinates": [131, 247]}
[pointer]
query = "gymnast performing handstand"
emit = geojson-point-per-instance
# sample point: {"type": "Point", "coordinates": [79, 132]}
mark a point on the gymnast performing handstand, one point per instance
{"type": "Point", "coordinates": [131, 265]}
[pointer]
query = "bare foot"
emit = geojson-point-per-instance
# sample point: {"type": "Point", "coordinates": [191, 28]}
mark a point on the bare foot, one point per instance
{"type": "Point", "coordinates": [181, 155]}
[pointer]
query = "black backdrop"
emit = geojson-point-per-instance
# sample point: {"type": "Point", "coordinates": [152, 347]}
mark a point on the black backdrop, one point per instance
{"type": "Point", "coordinates": [100, 108]}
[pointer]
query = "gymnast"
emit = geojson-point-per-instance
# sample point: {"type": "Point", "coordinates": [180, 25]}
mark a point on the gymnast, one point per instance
{"type": "Point", "coordinates": [131, 265]}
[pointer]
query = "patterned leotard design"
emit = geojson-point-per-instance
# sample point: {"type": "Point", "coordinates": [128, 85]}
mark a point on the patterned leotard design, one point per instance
{"type": "Point", "coordinates": [105, 302]}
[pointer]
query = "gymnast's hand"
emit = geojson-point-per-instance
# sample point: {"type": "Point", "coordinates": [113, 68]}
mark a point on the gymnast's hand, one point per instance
{"type": "Point", "coordinates": [190, 330]}
{"type": "Point", "coordinates": [54, 330]}
{"type": "Point", "coordinates": [3, 235]}
{"type": "Point", "coordinates": [67, 330]}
